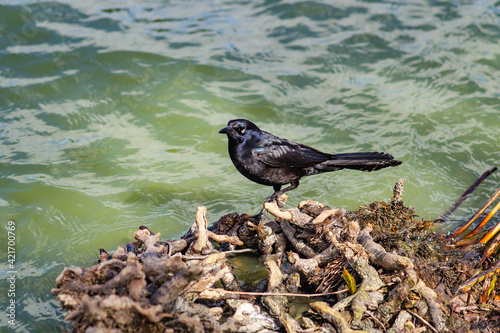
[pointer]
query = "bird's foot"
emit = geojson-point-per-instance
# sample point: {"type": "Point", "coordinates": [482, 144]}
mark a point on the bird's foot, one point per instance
{"type": "Point", "coordinates": [279, 198]}
{"type": "Point", "coordinates": [266, 200]}
{"type": "Point", "coordinates": [269, 200]}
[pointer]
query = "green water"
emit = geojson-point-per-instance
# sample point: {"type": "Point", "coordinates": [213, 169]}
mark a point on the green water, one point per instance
{"type": "Point", "coordinates": [109, 113]}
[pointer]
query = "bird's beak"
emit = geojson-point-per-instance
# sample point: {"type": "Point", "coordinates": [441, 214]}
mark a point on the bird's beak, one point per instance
{"type": "Point", "coordinates": [225, 130]}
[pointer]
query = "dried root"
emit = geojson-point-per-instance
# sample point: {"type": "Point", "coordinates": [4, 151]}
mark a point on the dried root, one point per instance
{"type": "Point", "coordinates": [153, 285]}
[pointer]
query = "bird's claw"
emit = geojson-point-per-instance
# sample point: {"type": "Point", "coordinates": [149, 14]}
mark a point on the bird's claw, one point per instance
{"type": "Point", "coordinates": [271, 199]}
{"type": "Point", "coordinates": [280, 199]}
{"type": "Point", "coordinates": [266, 200]}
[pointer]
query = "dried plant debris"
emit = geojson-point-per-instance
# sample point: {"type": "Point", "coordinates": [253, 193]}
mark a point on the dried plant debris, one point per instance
{"type": "Point", "coordinates": [378, 269]}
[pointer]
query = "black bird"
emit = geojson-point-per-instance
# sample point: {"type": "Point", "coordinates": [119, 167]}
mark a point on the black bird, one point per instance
{"type": "Point", "coordinates": [269, 160]}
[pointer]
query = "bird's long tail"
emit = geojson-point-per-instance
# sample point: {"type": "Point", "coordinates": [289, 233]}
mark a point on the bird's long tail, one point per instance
{"type": "Point", "coordinates": [359, 161]}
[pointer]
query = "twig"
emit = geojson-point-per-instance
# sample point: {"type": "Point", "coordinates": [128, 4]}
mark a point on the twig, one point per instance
{"type": "Point", "coordinates": [240, 251]}
{"type": "Point", "coordinates": [201, 245]}
{"type": "Point", "coordinates": [422, 320]}
{"type": "Point", "coordinates": [376, 319]}
{"type": "Point", "coordinates": [493, 246]}
{"type": "Point", "coordinates": [478, 213]}
{"type": "Point", "coordinates": [195, 257]}
{"type": "Point", "coordinates": [253, 293]}
{"type": "Point", "coordinates": [397, 192]}
{"type": "Point", "coordinates": [201, 257]}
{"type": "Point", "coordinates": [483, 223]}
{"type": "Point", "coordinates": [225, 238]}
{"type": "Point", "coordinates": [469, 308]}
{"type": "Point", "coordinates": [444, 217]}
{"type": "Point", "coordinates": [467, 285]}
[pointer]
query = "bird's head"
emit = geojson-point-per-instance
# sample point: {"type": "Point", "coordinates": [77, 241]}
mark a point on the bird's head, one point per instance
{"type": "Point", "coordinates": [239, 129]}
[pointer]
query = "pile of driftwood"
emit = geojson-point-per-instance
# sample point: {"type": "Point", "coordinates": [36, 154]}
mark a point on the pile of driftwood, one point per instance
{"type": "Point", "coordinates": [353, 268]}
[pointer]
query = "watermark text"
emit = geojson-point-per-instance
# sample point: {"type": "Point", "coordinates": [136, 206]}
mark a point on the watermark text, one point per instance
{"type": "Point", "coordinates": [11, 273]}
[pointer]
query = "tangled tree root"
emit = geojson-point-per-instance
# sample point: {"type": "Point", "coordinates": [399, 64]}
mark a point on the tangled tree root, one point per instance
{"type": "Point", "coordinates": [152, 285]}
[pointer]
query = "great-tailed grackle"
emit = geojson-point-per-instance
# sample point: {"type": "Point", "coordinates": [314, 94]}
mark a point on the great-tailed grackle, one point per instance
{"type": "Point", "coordinates": [269, 160]}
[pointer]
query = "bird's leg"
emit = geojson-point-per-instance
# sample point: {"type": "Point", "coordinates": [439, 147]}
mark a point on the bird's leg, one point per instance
{"type": "Point", "coordinates": [273, 196]}
{"type": "Point", "coordinates": [278, 192]}
{"type": "Point", "coordinates": [270, 199]}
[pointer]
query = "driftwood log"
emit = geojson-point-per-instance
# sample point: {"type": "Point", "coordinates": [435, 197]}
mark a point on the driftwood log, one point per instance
{"type": "Point", "coordinates": [311, 252]}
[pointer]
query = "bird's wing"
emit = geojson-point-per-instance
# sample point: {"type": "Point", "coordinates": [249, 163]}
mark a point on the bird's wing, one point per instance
{"type": "Point", "coordinates": [284, 153]}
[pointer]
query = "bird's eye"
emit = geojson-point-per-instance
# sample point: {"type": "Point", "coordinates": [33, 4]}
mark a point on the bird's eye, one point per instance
{"type": "Point", "coordinates": [241, 130]}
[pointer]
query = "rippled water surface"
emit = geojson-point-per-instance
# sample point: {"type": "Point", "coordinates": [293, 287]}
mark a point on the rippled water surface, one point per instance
{"type": "Point", "coordinates": [110, 111]}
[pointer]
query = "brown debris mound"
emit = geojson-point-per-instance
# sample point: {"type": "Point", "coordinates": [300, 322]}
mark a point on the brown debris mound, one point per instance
{"type": "Point", "coordinates": [388, 260]}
